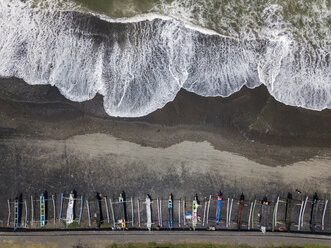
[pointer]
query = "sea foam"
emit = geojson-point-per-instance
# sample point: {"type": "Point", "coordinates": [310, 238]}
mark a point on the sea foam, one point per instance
{"type": "Point", "coordinates": [140, 63]}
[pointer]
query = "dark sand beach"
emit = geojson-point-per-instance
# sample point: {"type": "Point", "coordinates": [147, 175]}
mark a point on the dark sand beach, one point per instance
{"type": "Point", "coordinates": [197, 120]}
{"type": "Point", "coordinates": [244, 143]}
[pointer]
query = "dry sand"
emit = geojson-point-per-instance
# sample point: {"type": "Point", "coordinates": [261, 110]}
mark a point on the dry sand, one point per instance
{"type": "Point", "coordinates": [196, 158]}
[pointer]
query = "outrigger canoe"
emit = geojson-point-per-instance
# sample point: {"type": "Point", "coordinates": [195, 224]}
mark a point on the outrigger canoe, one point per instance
{"type": "Point", "coordinates": [241, 210]}
{"type": "Point", "coordinates": [70, 210]}
{"type": "Point", "coordinates": [313, 214]}
{"type": "Point", "coordinates": [149, 212]}
{"type": "Point", "coordinates": [195, 206]}
{"type": "Point", "coordinates": [171, 211]}
{"type": "Point", "coordinates": [288, 211]}
{"type": "Point", "coordinates": [218, 210]}
{"type": "Point", "coordinates": [42, 211]}
{"type": "Point", "coordinates": [16, 214]}
{"type": "Point", "coordinates": [122, 201]}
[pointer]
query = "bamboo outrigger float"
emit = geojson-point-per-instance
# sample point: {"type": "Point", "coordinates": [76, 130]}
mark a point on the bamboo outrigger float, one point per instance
{"type": "Point", "coordinates": [121, 206]}
{"type": "Point", "coordinates": [323, 216]}
{"type": "Point", "coordinates": [97, 210]}
{"type": "Point", "coordinates": [281, 207]}
{"type": "Point", "coordinates": [20, 210]}
{"type": "Point", "coordinates": [229, 212]}
{"type": "Point", "coordinates": [287, 222]}
{"type": "Point", "coordinates": [313, 221]}
{"type": "Point", "coordinates": [252, 213]}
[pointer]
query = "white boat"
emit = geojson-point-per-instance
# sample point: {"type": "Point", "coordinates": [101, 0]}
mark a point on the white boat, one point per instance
{"type": "Point", "coordinates": [70, 210]}
{"type": "Point", "coordinates": [149, 212]}
{"type": "Point", "coordinates": [123, 211]}
{"type": "Point", "coordinates": [195, 206]}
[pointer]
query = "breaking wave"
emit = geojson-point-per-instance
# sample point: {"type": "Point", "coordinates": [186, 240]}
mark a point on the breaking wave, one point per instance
{"type": "Point", "coordinates": [139, 63]}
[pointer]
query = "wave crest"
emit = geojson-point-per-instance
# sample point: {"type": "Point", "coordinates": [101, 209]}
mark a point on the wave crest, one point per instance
{"type": "Point", "coordinates": [140, 66]}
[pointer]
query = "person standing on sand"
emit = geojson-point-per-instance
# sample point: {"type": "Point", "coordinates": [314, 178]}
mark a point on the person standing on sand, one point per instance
{"type": "Point", "coordinates": [264, 215]}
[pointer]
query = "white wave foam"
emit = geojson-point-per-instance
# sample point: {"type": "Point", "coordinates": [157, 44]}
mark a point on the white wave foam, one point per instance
{"type": "Point", "coordinates": [139, 64]}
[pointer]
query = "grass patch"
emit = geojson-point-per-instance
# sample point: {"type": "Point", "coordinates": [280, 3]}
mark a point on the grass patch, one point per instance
{"type": "Point", "coordinates": [74, 225]}
{"type": "Point", "coordinates": [26, 244]}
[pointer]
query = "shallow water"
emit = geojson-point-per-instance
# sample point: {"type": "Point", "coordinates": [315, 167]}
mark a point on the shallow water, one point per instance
{"type": "Point", "coordinates": [139, 54]}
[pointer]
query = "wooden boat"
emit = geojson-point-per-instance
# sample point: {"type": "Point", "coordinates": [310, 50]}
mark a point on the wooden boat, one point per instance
{"type": "Point", "coordinates": [195, 206]}
{"type": "Point", "coordinates": [70, 210]}
{"type": "Point", "coordinates": [122, 201]}
{"type": "Point", "coordinates": [16, 213]}
{"type": "Point", "coordinates": [171, 212]}
{"type": "Point", "coordinates": [313, 214]}
{"type": "Point", "coordinates": [42, 211]}
{"type": "Point", "coordinates": [288, 212]}
{"type": "Point", "coordinates": [264, 214]}
{"type": "Point", "coordinates": [98, 210]}
{"type": "Point", "coordinates": [241, 210]}
{"type": "Point", "coordinates": [149, 212]}
{"type": "Point", "coordinates": [218, 210]}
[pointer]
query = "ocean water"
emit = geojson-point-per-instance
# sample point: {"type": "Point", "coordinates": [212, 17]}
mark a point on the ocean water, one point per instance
{"type": "Point", "coordinates": [139, 53]}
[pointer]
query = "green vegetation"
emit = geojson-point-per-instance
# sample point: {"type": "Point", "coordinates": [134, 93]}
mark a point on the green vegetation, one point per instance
{"type": "Point", "coordinates": [106, 225]}
{"type": "Point", "coordinates": [73, 225]}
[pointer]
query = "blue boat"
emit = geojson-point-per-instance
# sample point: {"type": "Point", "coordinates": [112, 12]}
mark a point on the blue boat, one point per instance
{"type": "Point", "coordinates": [16, 214]}
{"type": "Point", "coordinates": [219, 205]}
{"type": "Point", "coordinates": [42, 211]}
{"type": "Point", "coordinates": [171, 211]}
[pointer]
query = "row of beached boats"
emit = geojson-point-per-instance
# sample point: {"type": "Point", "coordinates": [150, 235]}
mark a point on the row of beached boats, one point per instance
{"type": "Point", "coordinates": [189, 214]}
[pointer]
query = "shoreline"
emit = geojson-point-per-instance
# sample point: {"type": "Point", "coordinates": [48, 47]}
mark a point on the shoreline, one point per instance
{"type": "Point", "coordinates": [192, 145]}
{"type": "Point", "coordinates": [250, 123]}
